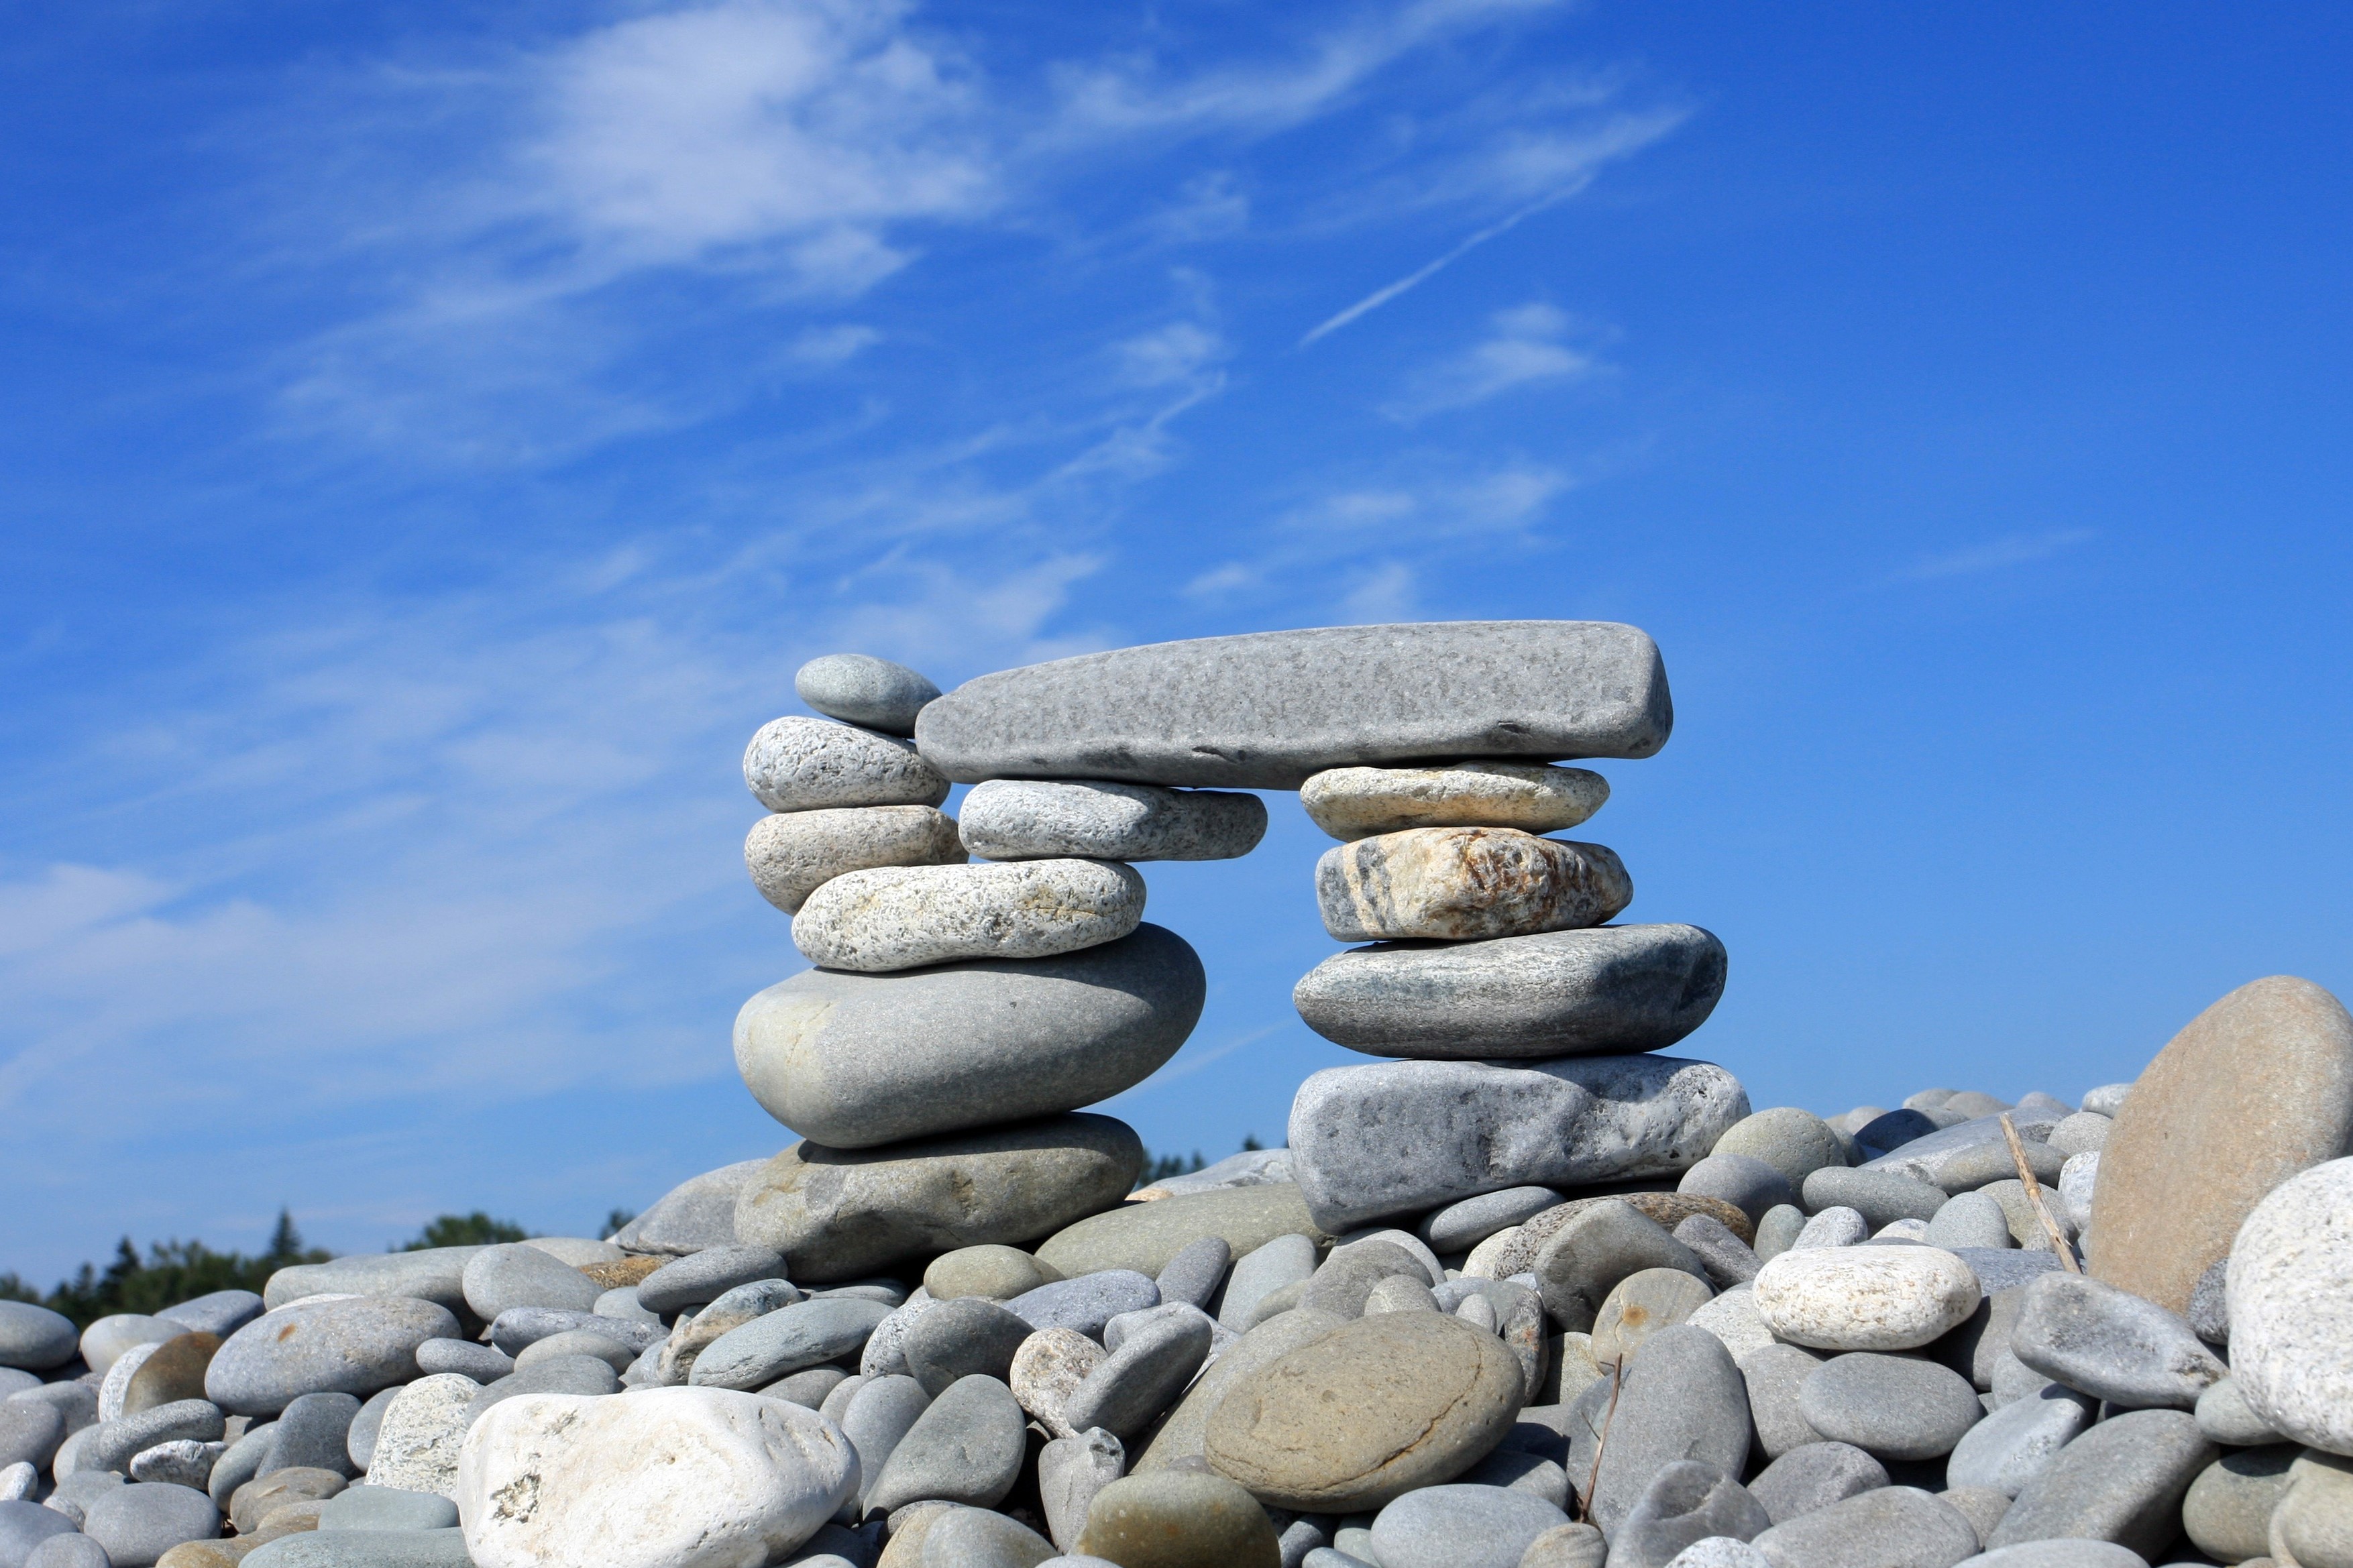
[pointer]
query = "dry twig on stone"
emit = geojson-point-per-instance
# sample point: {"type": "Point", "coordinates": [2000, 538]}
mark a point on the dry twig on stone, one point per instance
{"type": "Point", "coordinates": [2034, 1196]}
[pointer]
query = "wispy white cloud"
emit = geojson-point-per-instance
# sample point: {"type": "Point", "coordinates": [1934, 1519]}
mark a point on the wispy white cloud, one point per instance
{"type": "Point", "coordinates": [1538, 171]}
{"type": "Point", "coordinates": [1129, 97]}
{"type": "Point", "coordinates": [437, 841]}
{"type": "Point", "coordinates": [1523, 346]}
{"type": "Point", "coordinates": [2010, 550]}
{"type": "Point", "coordinates": [1369, 539]}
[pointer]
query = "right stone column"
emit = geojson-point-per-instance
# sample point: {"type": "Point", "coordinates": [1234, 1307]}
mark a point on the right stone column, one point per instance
{"type": "Point", "coordinates": [1521, 1021]}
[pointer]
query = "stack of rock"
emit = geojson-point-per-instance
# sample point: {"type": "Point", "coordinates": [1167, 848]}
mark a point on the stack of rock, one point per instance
{"type": "Point", "coordinates": [1527, 1297]}
{"type": "Point", "coordinates": [960, 1011]}
{"type": "Point", "coordinates": [1523, 1020]}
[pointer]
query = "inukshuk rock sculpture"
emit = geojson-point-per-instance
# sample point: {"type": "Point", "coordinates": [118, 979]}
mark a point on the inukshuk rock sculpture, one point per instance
{"type": "Point", "coordinates": [1523, 1294]}
{"type": "Point", "coordinates": [960, 1009]}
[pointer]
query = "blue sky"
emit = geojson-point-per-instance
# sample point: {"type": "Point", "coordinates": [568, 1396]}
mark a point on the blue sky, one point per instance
{"type": "Point", "coordinates": [433, 437]}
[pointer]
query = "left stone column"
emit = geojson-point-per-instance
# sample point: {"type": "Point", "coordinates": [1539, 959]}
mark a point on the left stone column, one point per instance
{"type": "Point", "coordinates": [961, 1011]}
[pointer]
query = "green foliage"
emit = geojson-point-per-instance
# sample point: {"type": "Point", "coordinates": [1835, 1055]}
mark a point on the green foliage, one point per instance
{"type": "Point", "coordinates": [1168, 1165]}
{"type": "Point", "coordinates": [476, 1230]}
{"type": "Point", "coordinates": [171, 1272]}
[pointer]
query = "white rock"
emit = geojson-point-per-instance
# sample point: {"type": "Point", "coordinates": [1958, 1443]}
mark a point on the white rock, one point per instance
{"type": "Point", "coordinates": [665, 1477]}
{"type": "Point", "coordinates": [903, 918]}
{"type": "Point", "coordinates": [1734, 1319]}
{"type": "Point", "coordinates": [1534, 797]}
{"type": "Point", "coordinates": [809, 765]}
{"type": "Point", "coordinates": [2291, 1295]}
{"type": "Point", "coordinates": [1865, 1298]}
{"type": "Point", "coordinates": [792, 854]}
{"type": "Point", "coordinates": [1720, 1551]}
{"type": "Point", "coordinates": [2075, 1180]}
{"type": "Point", "coordinates": [1836, 1226]}
{"type": "Point", "coordinates": [416, 1443]}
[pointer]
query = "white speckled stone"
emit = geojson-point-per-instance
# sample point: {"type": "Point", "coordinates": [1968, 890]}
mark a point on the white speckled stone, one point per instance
{"type": "Point", "coordinates": [904, 917]}
{"type": "Point", "coordinates": [1534, 797]}
{"type": "Point", "coordinates": [2291, 1292]}
{"type": "Point", "coordinates": [1458, 884]}
{"type": "Point", "coordinates": [668, 1478]}
{"type": "Point", "coordinates": [792, 854]}
{"type": "Point", "coordinates": [1026, 819]}
{"type": "Point", "coordinates": [1865, 1298]}
{"type": "Point", "coordinates": [416, 1444]}
{"type": "Point", "coordinates": [1270, 710]}
{"type": "Point", "coordinates": [807, 765]}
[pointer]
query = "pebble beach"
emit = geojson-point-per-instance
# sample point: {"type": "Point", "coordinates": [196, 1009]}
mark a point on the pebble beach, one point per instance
{"type": "Point", "coordinates": [1534, 1284]}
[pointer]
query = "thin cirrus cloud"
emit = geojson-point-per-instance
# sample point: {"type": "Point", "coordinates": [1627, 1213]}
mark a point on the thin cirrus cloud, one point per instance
{"type": "Point", "coordinates": [1994, 555]}
{"type": "Point", "coordinates": [1524, 347]}
{"type": "Point", "coordinates": [1372, 543]}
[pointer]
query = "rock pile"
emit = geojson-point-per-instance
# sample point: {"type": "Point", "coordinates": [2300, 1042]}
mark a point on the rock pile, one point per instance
{"type": "Point", "coordinates": [1525, 1294]}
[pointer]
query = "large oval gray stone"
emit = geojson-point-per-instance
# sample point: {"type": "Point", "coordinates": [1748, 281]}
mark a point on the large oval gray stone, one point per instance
{"type": "Point", "coordinates": [1681, 1398]}
{"type": "Point", "coordinates": [1020, 819]}
{"type": "Point", "coordinates": [1892, 1526]}
{"type": "Point", "coordinates": [852, 1061]}
{"type": "Point", "coordinates": [436, 1274]}
{"type": "Point", "coordinates": [1267, 710]}
{"type": "Point", "coordinates": [1462, 1527]}
{"type": "Point", "coordinates": [1467, 884]}
{"type": "Point", "coordinates": [758, 1352]}
{"type": "Point", "coordinates": [1373, 1410]}
{"type": "Point", "coordinates": [2111, 1344]}
{"type": "Point", "coordinates": [808, 764]}
{"type": "Point", "coordinates": [1890, 1406]}
{"type": "Point", "coordinates": [516, 1275]}
{"type": "Point", "coordinates": [2122, 1481]}
{"type": "Point", "coordinates": [1572, 993]}
{"type": "Point", "coordinates": [1144, 1236]}
{"type": "Point", "coordinates": [906, 917]}
{"type": "Point", "coordinates": [700, 1211]}
{"type": "Point", "coordinates": [2255, 1088]}
{"type": "Point", "coordinates": [859, 688]}
{"type": "Point", "coordinates": [967, 1447]}
{"type": "Point", "coordinates": [354, 1346]}
{"type": "Point", "coordinates": [1394, 1138]}
{"type": "Point", "coordinates": [2007, 1450]}
{"type": "Point", "coordinates": [838, 1214]}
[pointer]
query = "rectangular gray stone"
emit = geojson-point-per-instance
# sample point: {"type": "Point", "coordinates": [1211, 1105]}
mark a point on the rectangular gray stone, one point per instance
{"type": "Point", "coordinates": [1268, 710]}
{"type": "Point", "coordinates": [1405, 1137]}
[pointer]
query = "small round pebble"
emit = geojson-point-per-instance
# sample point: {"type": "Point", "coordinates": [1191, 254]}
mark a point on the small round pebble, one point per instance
{"type": "Point", "coordinates": [1811, 1477]}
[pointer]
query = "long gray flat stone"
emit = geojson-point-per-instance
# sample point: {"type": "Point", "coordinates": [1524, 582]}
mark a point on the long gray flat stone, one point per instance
{"type": "Point", "coordinates": [1268, 710]}
{"type": "Point", "coordinates": [1403, 1137]}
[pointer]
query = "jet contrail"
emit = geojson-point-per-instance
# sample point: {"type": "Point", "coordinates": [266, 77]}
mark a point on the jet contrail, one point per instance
{"type": "Point", "coordinates": [1379, 297]}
